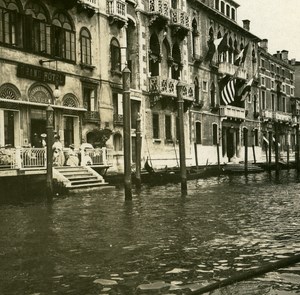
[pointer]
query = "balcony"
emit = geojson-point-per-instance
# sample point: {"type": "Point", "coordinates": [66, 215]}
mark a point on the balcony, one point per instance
{"type": "Point", "coordinates": [283, 117]}
{"type": "Point", "coordinates": [180, 22]}
{"type": "Point", "coordinates": [230, 69]}
{"type": "Point", "coordinates": [117, 11]}
{"type": "Point", "coordinates": [88, 6]}
{"type": "Point", "coordinates": [91, 117]}
{"type": "Point", "coordinates": [159, 12]}
{"type": "Point", "coordinates": [118, 120]}
{"type": "Point", "coordinates": [267, 115]}
{"type": "Point", "coordinates": [164, 87]}
{"type": "Point", "coordinates": [233, 112]}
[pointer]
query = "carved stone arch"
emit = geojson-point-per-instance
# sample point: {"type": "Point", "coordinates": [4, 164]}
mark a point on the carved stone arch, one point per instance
{"type": "Point", "coordinates": [9, 91]}
{"type": "Point", "coordinates": [40, 93]}
{"type": "Point", "coordinates": [70, 100]}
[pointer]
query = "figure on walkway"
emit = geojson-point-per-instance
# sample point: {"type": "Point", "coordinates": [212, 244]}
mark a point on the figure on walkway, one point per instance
{"type": "Point", "coordinates": [58, 154]}
{"type": "Point", "coordinates": [43, 137]}
{"type": "Point", "coordinates": [72, 157]}
{"type": "Point", "coordinates": [36, 141]}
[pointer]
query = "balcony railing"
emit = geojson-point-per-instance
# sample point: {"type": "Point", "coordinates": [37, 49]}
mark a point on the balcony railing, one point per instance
{"type": "Point", "coordinates": [233, 112]}
{"type": "Point", "coordinates": [163, 86]}
{"type": "Point", "coordinates": [159, 7]}
{"type": "Point", "coordinates": [97, 156]}
{"type": "Point", "coordinates": [188, 91]}
{"type": "Point", "coordinates": [180, 18]}
{"type": "Point", "coordinates": [118, 119]}
{"type": "Point", "coordinates": [22, 158]}
{"type": "Point", "coordinates": [91, 117]}
{"type": "Point", "coordinates": [267, 114]}
{"type": "Point", "coordinates": [117, 9]}
{"type": "Point", "coordinates": [90, 3]}
{"type": "Point", "coordinates": [230, 69]}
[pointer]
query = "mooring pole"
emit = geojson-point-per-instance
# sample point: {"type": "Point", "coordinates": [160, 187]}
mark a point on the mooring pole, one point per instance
{"type": "Point", "coordinates": [138, 152]}
{"type": "Point", "coordinates": [49, 131]}
{"type": "Point", "coordinates": [276, 148]}
{"type": "Point", "coordinates": [218, 156]}
{"type": "Point", "coordinates": [246, 149]}
{"type": "Point", "coordinates": [127, 133]}
{"type": "Point", "coordinates": [297, 149]}
{"type": "Point", "coordinates": [270, 149]}
{"type": "Point", "coordinates": [254, 156]}
{"type": "Point", "coordinates": [196, 154]}
{"type": "Point", "coordinates": [181, 139]}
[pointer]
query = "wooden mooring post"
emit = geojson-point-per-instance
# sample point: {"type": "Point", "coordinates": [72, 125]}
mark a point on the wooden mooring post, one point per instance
{"type": "Point", "coordinates": [49, 131]}
{"type": "Point", "coordinates": [138, 145]}
{"type": "Point", "coordinates": [181, 139]}
{"type": "Point", "coordinates": [127, 133]}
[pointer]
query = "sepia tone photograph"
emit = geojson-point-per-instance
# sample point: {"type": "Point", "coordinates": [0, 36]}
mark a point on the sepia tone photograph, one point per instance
{"type": "Point", "coordinates": [149, 147]}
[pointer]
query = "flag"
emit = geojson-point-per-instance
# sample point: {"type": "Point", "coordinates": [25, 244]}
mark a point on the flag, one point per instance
{"type": "Point", "coordinates": [265, 140]}
{"type": "Point", "coordinates": [275, 141]}
{"type": "Point", "coordinates": [219, 45]}
{"type": "Point", "coordinates": [246, 89]}
{"type": "Point", "coordinates": [228, 92]}
{"type": "Point", "coordinates": [240, 59]}
{"type": "Point", "coordinates": [222, 45]}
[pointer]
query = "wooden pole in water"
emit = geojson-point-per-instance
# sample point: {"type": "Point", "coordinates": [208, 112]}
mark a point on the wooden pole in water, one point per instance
{"type": "Point", "coordinates": [246, 275]}
{"type": "Point", "coordinates": [196, 154]}
{"type": "Point", "coordinates": [49, 130]}
{"type": "Point", "coordinates": [181, 139]}
{"type": "Point", "coordinates": [297, 149]}
{"type": "Point", "coordinates": [127, 133]}
{"type": "Point", "coordinates": [138, 145]}
{"type": "Point", "coordinates": [270, 149]}
{"type": "Point", "coordinates": [218, 155]}
{"type": "Point", "coordinates": [246, 149]}
{"type": "Point", "coordinates": [276, 148]}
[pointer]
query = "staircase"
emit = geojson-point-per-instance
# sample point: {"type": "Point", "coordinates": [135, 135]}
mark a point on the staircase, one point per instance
{"type": "Point", "coordinates": [78, 177]}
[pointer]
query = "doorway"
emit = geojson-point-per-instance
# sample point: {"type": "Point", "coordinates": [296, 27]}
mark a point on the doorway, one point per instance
{"type": "Point", "coordinates": [230, 144]}
{"type": "Point", "coordinates": [38, 126]}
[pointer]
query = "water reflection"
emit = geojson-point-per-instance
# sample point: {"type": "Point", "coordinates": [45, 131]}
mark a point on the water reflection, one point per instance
{"type": "Point", "coordinates": [159, 243]}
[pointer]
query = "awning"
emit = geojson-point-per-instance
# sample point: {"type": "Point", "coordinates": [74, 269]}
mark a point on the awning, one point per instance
{"type": "Point", "coordinates": [23, 102]}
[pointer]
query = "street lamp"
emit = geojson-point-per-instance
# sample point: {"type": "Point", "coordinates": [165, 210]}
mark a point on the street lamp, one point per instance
{"type": "Point", "coordinates": [49, 131]}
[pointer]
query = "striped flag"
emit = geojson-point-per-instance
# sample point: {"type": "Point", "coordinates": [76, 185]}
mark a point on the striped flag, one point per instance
{"type": "Point", "coordinates": [246, 89]}
{"type": "Point", "coordinates": [228, 92]}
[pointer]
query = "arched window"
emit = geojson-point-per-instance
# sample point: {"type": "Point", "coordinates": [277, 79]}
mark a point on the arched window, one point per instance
{"type": "Point", "coordinates": [174, 4]}
{"type": "Point", "coordinates": [233, 13]}
{"type": "Point", "coordinates": [213, 94]}
{"type": "Point", "coordinates": [195, 37]}
{"type": "Point", "coordinates": [85, 46]}
{"type": "Point", "coordinates": [227, 10]}
{"type": "Point", "coordinates": [198, 133]}
{"type": "Point", "coordinates": [217, 4]}
{"type": "Point", "coordinates": [230, 51]}
{"type": "Point", "coordinates": [211, 33]}
{"type": "Point", "coordinates": [222, 7]}
{"type": "Point", "coordinates": [197, 91]}
{"type": "Point", "coordinates": [154, 56]}
{"type": "Point", "coordinates": [10, 23]}
{"type": "Point", "coordinates": [117, 139]}
{"type": "Point", "coordinates": [115, 55]}
{"type": "Point", "coordinates": [63, 36]}
{"type": "Point", "coordinates": [166, 51]}
{"type": "Point", "coordinates": [37, 30]}
{"type": "Point", "coordinates": [176, 68]}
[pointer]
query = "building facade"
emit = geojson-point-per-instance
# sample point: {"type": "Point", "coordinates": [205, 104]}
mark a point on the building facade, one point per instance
{"type": "Point", "coordinates": [71, 57]}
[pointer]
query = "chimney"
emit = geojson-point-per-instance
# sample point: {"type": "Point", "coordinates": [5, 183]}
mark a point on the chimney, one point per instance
{"type": "Point", "coordinates": [293, 61]}
{"type": "Point", "coordinates": [246, 24]}
{"type": "Point", "coordinates": [285, 55]}
{"type": "Point", "coordinates": [264, 44]}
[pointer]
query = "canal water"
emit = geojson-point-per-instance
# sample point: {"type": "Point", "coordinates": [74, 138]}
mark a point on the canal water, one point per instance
{"type": "Point", "coordinates": [160, 243]}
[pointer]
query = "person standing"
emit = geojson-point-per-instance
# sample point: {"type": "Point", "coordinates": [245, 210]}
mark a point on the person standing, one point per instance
{"type": "Point", "coordinates": [58, 154]}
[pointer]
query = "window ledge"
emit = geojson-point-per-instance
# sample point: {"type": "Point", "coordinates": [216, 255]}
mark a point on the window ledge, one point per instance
{"type": "Point", "coordinates": [168, 141]}
{"type": "Point", "coordinates": [87, 67]}
{"type": "Point", "coordinates": [156, 140]}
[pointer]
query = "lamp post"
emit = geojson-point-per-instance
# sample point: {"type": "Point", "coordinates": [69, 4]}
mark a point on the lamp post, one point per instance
{"type": "Point", "coordinates": [49, 132]}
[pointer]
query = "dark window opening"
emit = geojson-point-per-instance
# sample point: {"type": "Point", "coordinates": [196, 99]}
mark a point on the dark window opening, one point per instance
{"type": "Point", "coordinates": [215, 134]}
{"type": "Point", "coordinates": [168, 127]}
{"type": "Point", "coordinates": [115, 55]}
{"type": "Point", "coordinates": [198, 133]}
{"type": "Point", "coordinates": [155, 125]}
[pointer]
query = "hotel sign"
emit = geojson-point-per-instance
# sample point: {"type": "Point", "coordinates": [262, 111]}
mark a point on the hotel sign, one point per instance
{"type": "Point", "coordinates": [40, 74]}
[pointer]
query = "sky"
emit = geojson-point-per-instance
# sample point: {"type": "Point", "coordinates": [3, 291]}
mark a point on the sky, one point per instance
{"type": "Point", "coordinates": [275, 20]}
